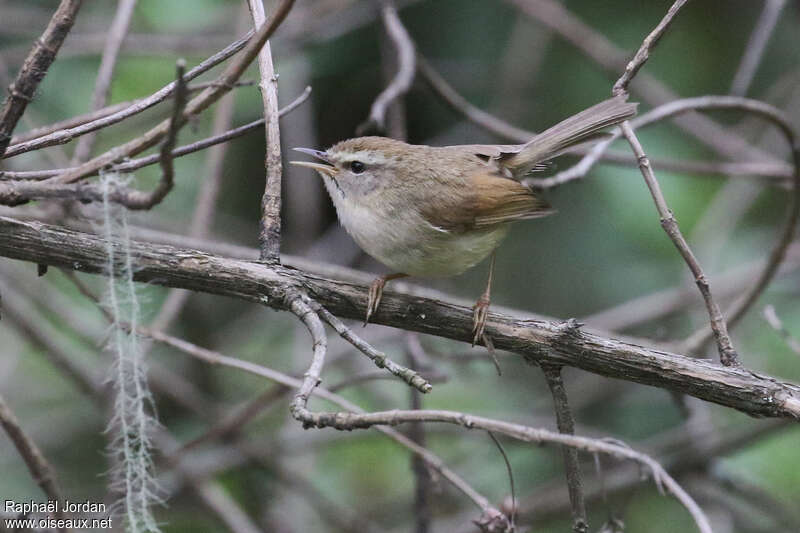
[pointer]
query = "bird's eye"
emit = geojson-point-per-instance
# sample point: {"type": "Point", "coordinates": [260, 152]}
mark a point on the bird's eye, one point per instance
{"type": "Point", "coordinates": [357, 167]}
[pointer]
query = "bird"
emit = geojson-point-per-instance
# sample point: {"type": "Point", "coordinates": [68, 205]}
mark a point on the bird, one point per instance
{"type": "Point", "coordinates": [433, 212]}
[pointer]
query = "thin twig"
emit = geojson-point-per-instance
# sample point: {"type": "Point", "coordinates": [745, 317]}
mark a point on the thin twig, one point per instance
{"type": "Point", "coordinates": [613, 59]}
{"type": "Point", "coordinates": [135, 164]}
{"type": "Point", "coordinates": [417, 433]}
{"type": "Point", "coordinates": [84, 118]}
{"type": "Point", "coordinates": [740, 307]}
{"type": "Point", "coordinates": [460, 104]}
{"type": "Point", "coordinates": [197, 104]}
{"type": "Point", "coordinates": [352, 421]}
{"type": "Point", "coordinates": [379, 358]}
{"type": "Point", "coordinates": [432, 460]}
{"type": "Point", "coordinates": [66, 135]}
{"type": "Point", "coordinates": [756, 107]}
{"type": "Point", "coordinates": [513, 514]}
{"type": "Point", "coordinates": [779, 170]}
{"type": "Point", "coordinates": [490, 520]}
{"type": "Point", "coordinates": [643, 54]}
{"type": "Point", "coordinates": [102, 85]}
{"type": "Point", "coordinates": [754, 50]}
{"type": "Point", "coordinates": [205, 205]}
{"type": "Point", "coordinates": [406, 66]}
{"type": "Point", "coordinates": [658, 304]}
{"type": "Point", "coordinates": [167, 180]}
{"type": "Point", "coordinates": [303, 311]}
{"type": "Point", "coordinates": [13, 193]}
{"type": "Point", "coordinates": [40, 469]}
{"type": "Point", "coordinates": [727, 353]}
{"type": "Point", "coordinates": [566, 426]}
{"type": "Point", "coordinates": [35, 68]}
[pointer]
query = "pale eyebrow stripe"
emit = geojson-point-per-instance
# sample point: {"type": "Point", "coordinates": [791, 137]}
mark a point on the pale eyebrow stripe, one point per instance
{"type": "Point", "coordinates": [363, 156]}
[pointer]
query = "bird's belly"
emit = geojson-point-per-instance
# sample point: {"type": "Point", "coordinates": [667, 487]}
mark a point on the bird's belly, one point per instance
{"type": "Point", "coordinates": [409, 244]}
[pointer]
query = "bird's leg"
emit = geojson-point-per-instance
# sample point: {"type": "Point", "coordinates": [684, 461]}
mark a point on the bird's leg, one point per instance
{"type": "Point", "coordinates": [481, 307]}
{"type": "Point", "coordinates": [376, 291]}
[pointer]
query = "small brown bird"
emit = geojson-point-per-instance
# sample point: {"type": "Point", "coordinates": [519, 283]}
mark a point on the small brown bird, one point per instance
{"type": "Point", "coordinates": [438, 211]}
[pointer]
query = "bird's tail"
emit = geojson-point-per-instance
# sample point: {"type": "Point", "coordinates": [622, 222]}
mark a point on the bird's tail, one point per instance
{"type": "Point", "coordinates": [577, 129]}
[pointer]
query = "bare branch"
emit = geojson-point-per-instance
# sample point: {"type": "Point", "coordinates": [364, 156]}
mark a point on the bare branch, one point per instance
{"type": "Point", "coordinates": [102, 85]}
{"type": "Point", "coordinates": [35, 67]}
{"type": "Point", "coordinates": [351, 421]}
{"type": "Point", "coordinates": [432, 460]}
{"type": "Point", "coordinates": [311, 378]}
{"type": "Point", "coordinates": [196, 105]}
{"type": "Point", "coordinates": [205, 205]}
{"type": "Point", "coordinates": [643, 54]}
{"type": "Point", "coordinates": [776, 257]}
{"type": "Point", "coordinates": [754, 49]}
{"type": "Point", "coordinates": [135, 164]}
{"type": "Point", "coordinates": [40, 469]}
{"type": "Point", "coordinates": [166, 182]}
{"type": "Point", "coordinates": [613, 60]}
{"type": "Point", "coordinates": [727, 353]}
{"type": "Point", "coordinates": [379, 358]}
{"type": "Point", "coordinates": [13, 193]}
{"type": "Point", "coordinates": [66, 135]}
{"type": "Point", "coordinates": [778, 170]}
{"type": "Point", "coordinates": [416, 432]}
{"type": "Point", "coordinates": [765, 111]}
{"type": "Point", "coordinates": [269, 235]}
{"type": "Point", "coordinates": [406, 61]}
{"type": "Point", "coordinates": [566, 426]}
{"type": "Point", "coordinates": [537, 340]}
{"type": "Point", "coordinates": [78, 120]}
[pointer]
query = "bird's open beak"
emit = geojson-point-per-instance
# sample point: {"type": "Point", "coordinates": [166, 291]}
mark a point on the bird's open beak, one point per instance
{"type": "Point", "coordinates": [326, 167]}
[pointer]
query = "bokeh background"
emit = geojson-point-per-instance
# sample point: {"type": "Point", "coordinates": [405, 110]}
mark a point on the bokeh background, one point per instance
{"type": "Point", "coordinates": [604, 248]}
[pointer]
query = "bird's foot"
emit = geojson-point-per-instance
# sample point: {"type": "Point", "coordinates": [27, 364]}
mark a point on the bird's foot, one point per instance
{"type": "Point", "coordinates": [479, 312]}
{"type": "Point", "coordinates": [374, 298]}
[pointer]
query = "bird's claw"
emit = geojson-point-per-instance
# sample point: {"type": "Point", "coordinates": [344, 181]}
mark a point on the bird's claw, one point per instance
{"type": "Point", "coordinates": [374, 297]}
{"type": "Point", "coordinates": [479, 312]}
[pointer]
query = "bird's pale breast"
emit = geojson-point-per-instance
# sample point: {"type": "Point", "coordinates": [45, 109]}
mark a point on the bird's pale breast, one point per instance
{"type": "Point", "coordinates": [405, 242]}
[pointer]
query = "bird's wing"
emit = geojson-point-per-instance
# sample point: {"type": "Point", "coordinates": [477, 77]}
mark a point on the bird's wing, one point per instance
{"type": "Point", "coordinates": [500, 199]}
{"type": "Point", "coordinates": [486, 199]}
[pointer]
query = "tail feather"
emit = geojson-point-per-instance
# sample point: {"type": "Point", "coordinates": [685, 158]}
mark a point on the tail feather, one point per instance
{"type": "Point", "coordinates": [577, 129]}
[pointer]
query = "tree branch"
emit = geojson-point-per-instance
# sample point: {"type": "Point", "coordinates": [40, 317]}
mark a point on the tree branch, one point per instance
{"type": "Point", "coordinates": [536, 340]}
{"type": "Point", "coordinates": [63, 136]}
{"type": "Point", "coordinates": [40, 469]}
{"type": "Point", "coordinates": [35, 67]}
{"type": "Point", "coordinates": [196, 105]}
{"type": "Point", "coordinates": [566, 426]}
{"type": "Point", "coordinates": [102, 86]}
{"type": "Point", "coordinates": [406, 67]}
{"type": "Point", "coordinates": [269, 235]}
